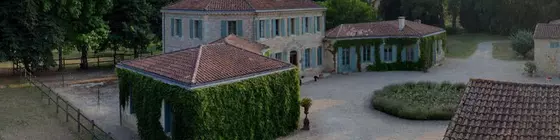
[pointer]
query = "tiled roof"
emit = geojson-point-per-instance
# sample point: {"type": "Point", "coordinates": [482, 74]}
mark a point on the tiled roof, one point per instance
{"type": "Point", "coordinates": [382, 29]}
{"type": "Point", "coordinates": [242, 43]}
{"type": "Point", "coordinates": [496, 110]}
{"type": "Point", "coordinates": [241, 5]}
{"type": "Point", "coordinates": [547, 31]}
{"type": "Point", "coordinates": [214, 62]}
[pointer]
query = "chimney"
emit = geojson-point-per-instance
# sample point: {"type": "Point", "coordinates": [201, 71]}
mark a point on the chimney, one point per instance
{"type": "Point", "coordinates": [402, 23]}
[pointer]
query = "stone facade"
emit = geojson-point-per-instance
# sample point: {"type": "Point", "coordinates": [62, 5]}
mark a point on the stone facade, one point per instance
{"type": "Point", "coordinates": [546, 56]}
{"type": "Point", "coordinates": [284, 44]}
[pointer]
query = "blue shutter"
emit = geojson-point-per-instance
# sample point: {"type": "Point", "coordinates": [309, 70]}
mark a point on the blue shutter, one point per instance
{"type": "Point", "coordinates": [304, 22]}
{"type": "Point", "coordinates": [167, 115]}
{"type": "Point", "coordinates": [297, 27]}
{"type": "Point", "coordinates": [382, 53]}
{"type": "Point", "coordinates": [267, 29]}
{"type": "Point", "coordinates": [289, 27]}
{"type": "Point", "coordinates": [320, 56]}
{"type": "Point", "coordinates": [394, 54]}
{"type": "Point", "coordinates": [353, 59]}
{"type": "Point", "coordinates": [313, 57]}
{"type": "Point", "coordinates": [201, 29]}
{"type": "Point", "coordinates": [191, 28]}
{"type": "Point", "coordinates": [285, 56]}
{"type": "Point", "coordinates": [312, 24]}
{"type": "Point", "coordinates": [256, 29]}
{"type": "Point", "coordinates": [302, 63]}
{"type": "Point", "coordinates": [172, 27]}
{"type": "Point", "coordinates": [224, 28]}
{"type": "Point", "coordinates": [403, 54]}
{"type": "Point", "coordinates": [180, 28]}
{"type": "Point", "coordinates": [339, 60]}
{"type": "Point", "coordinates": [239, 28]}
{"type": "Point", "coordinates": [372, 48]}
{"type": "Point", "coordinates": [323, 24]}
{"type": "Point", "coordinates": [283, 27]}
{"type": "Point", "coordinates": [416, 52]}
{"type": "Point", "coordinates": [273, 28]}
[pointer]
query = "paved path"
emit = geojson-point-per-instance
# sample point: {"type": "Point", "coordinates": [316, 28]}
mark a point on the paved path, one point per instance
{"type": "Point", "coordinates": [342, 110]}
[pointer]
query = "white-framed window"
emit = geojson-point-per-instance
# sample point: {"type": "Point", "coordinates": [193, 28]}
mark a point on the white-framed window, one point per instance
{"type": "Point", "coordinates": [176, 27]}
{"type": "Point", "coordinates": [278, 56]}
{"type": "Point", "coordinates": [410, 53]}
{"type": "Point", "coordinates": [388, 54]}
{"type": "Point", "coordinates": [366, 54]}
{"type": "Point", "coordinates": [307, 60]}
{"type": "Point", "coordinates": [292, 23]}
{"type": "Point", "coordinates": [232, 27]}
{"type": "Point", "coordinates": [345, 56]}
{"type": "Point", "coordinates": [197, 28]}
{"type": "Point", "coordinates": [318, 23]}
{"type": "Point", "coordinates": [262, 30]}
{"type": "Point", "coordinates": [554, 44]}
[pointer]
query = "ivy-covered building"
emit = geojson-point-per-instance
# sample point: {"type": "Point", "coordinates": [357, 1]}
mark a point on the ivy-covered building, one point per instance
{"type": "Point", "coordinates": [222, 90]}
{"type": "Point", "coordinates": [386, 45]}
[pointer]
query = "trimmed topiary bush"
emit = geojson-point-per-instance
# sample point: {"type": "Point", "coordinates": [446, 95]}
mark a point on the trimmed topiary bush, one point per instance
{"type": "Point", "coordinates": [522, 42]}
{"type": "Point", "coordinates": [419, 101]}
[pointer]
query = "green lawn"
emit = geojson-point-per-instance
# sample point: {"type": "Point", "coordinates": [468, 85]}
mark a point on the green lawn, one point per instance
{"type": "Point", "coordinates": [503, 51]}
{"type": "Point", "coordinates": [464, 45]}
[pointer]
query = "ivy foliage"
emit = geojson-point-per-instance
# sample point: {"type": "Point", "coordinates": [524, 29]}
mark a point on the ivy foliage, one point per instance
{"type": "Point", "coordinates": [264, 107]}
{"type": "Point", "coordinates": [424, 62]}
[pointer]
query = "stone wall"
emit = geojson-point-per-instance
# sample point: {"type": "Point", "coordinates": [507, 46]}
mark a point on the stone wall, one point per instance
{"type": "Point", "coordinates": [546, 59]}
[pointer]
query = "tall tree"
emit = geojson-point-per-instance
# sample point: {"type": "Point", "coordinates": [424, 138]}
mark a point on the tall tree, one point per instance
{"type": "Point", "coordinates": [347, 11]}
{"type": "Point", "coordinates": [453, 8]}
{"type": "Point", "coordinates": [29, 30]}
{"type": "Point", "coordinates": [89, 28]}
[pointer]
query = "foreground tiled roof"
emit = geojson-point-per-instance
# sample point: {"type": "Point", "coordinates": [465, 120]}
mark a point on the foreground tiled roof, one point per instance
{"type": "Point", "coordinates": [547, 31]}
{"type": "Point", "coordinates": [382, 29]}
{"type": "Point", "coordinates": [214, 62]}
{"type": "Point", "coordinates": [241, 5]}
{"type": "Point", "coordinates": [495, 110]}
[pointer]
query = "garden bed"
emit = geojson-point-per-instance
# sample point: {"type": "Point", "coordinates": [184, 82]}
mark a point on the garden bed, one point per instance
{"type": "Point", "coordinates": [419, 101]}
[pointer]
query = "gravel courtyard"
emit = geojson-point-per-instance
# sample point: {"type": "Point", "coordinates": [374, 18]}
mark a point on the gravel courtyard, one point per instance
{"type": "Point", "coordinates": [341, 103]}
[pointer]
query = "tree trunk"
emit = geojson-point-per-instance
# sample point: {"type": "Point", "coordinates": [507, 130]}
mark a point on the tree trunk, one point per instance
{"type": "Point", "coordinates": [136, 52]}
{"type": "Point", "coordinates": [60, 59]}
{"type": "Point", "coordinates": [84, 61]}
{"type": "Point", "coordinates": [454, 22]}
{"type": "Point", "coordinates": [114, 55]}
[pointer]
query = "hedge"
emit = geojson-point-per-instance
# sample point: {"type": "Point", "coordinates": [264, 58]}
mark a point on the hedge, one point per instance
{"type": "Point", "coordinates": [264, 107]}
{"type": "Point", "coordinates": [419, 101]}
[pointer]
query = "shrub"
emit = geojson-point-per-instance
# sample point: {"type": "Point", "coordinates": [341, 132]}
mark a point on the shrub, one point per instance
{"type": "Point", "coordinates": [453, 31]}
{"type": "Point", "coordinates": [530, 68]}
{"type": "Point", "coordinates": [419, 101]}
{"type": "Point", "coordinates": [522, 42]}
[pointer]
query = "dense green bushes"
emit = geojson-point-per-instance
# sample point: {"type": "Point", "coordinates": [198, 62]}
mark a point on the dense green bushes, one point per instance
{"type": "Point", "coordinates": [419, 101]}
{"type": "Point", "coordinates": [259, 108]}
{"type": "Point", "coordinates": [506, 16]}
{"type": "Point", "coordinates": [522, 42]}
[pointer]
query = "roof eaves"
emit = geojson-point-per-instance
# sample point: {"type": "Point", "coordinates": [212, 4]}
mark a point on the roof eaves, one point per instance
{"type": "Point", "coordinates": [155, 76]}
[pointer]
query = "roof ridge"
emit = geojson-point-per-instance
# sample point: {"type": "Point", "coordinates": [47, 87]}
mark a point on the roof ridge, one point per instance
{"type": "Point", "coordinates": [340, 28]}
{"type": "Point", "coordinates": [197, 64]}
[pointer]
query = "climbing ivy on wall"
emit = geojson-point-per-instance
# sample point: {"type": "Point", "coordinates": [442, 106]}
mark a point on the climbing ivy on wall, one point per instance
{"type": "Point", "coordinates": [423, 63]}
{"type": "Point", "coordinates": [264, 107]}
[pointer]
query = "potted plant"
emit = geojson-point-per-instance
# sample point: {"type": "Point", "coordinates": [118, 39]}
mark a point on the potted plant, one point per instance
{"type": "Point", "coordinates": [306, 103]}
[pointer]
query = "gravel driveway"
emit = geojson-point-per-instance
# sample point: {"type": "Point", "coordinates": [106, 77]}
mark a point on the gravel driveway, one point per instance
{"type": "Point", "coordinates": [341, 107]}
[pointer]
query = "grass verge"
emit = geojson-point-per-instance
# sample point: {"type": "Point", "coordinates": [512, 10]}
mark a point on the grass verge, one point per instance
{"type": "Point", "coordinates": [464, 45]}
{"type": "Point", "coordinates": [419, 101]}
{"type": "Point", "coordinates": [503, 51]}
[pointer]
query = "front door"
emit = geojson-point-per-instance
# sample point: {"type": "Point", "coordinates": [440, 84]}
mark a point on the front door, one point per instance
{"type": "Point", "coordinates": [293, 58]}
{"type": "Point", "coordinates": [345, 64]}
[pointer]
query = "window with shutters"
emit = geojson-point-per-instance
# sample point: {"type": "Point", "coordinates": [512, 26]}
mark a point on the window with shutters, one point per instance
{"type": "Point", "coordinates": [410, 53]}
{"type": "Point", "coordinates": [366, 54]}
{"type": "Point", "coordinates": [307, 56]}
{"type": "Point", "coordinates": [318, 23]}
{"type": "Point", "coordinates": [345, 56]}
{"type": "Point", "coordinates": [278, 56]}
{"type": "Point", "coordinates": [277, 27]}
{"type": "Point", "coordinates": [554, 44]}
{"type": "Point", "coordinates": [306, 24]}
{"type": "Point", "coordinates": [232, 27]}
{"type": "Point", "coordinates": [177, 25]}
{"type": "Point", "coordinates": [197, 28]}
{"type": "Point", "coordinates": [293, 25]}
{"type": "Point", "coordinates": [262, 29]}
{"type": "Point", "coordinates": [388, 54]}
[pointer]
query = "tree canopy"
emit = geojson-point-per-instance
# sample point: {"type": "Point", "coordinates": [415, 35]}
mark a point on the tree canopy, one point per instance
{"type": "Point", "coordinates": [347, 11]}
{"type": "Point", "coordinates": [429, 11]}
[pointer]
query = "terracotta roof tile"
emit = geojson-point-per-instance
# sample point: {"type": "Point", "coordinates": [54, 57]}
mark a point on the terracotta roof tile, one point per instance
{"type": "Point", "coordinates": [547, 31]}
{"type": "Point", "coordinates": [241, 5]}
{"type": "Point", "coordinates": [382, 29]}
{"type": "Point", "coordinates": [491, 110]}
{"type": "Point", "coordinates": [208, 63]}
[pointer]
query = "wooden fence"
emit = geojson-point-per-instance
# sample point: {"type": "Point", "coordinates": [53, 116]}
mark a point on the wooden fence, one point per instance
{"type": "Point", "coordinates": [86, 128]}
